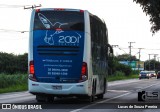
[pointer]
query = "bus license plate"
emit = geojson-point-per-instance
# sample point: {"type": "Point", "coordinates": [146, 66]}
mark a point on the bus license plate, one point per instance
{"type": "Point", "coordinates": [57, 87]}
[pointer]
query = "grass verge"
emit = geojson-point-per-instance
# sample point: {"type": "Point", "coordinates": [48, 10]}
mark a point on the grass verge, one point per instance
{"type": "Point", "coordinates": [19, 82]}
{"type": "Point", "coordinates": [121, 76]}
{"type": "Point", "coordinates": [13, 83]}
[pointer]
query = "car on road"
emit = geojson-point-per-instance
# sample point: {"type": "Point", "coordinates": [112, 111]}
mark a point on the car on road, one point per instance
{"type": "Point", "coordinates": [144, 74]}
{"type": "Point", "coordinates": [158, 74]}
{"type": "Point", "coordinates": [152, 73]}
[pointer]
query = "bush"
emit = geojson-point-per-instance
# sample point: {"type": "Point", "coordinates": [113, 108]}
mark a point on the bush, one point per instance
{"type": "Point", "coordinates": [119, 73]}
{"type": "Point", "coordinates": [12, 80]}
{"type": "Point", "coordinates": [11, 64]}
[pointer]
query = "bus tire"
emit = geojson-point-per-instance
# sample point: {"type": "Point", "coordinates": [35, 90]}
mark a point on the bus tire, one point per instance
{"type": "Point", "coordinates": [50, 98]}
{"type": "Point", "coordinates": [43, 98]}
{"type": "Point", "coordinates": [40, 98]}
{"type": "Point", "coordinates": [101, 96]}
{"type": "Point", "coordinates": [92, 97]}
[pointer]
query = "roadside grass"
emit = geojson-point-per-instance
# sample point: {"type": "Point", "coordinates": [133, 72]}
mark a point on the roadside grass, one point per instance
{"type": "Point", "coordinates": [121, 76]}
{"type": "Point", "coordinates": [13, 83]}
{"type": "Point", "coordinates": [19, 82]}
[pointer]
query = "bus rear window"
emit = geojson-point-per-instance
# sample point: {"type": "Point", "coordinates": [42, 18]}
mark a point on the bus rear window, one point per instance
{"type": "Point", "coordinates": [66, 20]}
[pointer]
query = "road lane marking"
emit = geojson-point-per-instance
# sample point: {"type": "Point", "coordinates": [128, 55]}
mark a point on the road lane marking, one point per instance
{"type": "Point", "coordinates": [14, 96]}
{"type": "Point", "coordinates": [85, 107]}
{"type": "Point", "coordinates": [77, 110]}
{"type": "Point", "coordinates": [114, 83]}
{"type": "Point", "coordinates": [117, 91]}
{"type": "Point", "coordinates": [147, 87]}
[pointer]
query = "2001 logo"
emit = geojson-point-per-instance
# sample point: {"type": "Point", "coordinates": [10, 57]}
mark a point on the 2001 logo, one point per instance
{"type": "Point", "coordinates": [72, 38]}
{"type": "Point", "coordinates": [69, 39]}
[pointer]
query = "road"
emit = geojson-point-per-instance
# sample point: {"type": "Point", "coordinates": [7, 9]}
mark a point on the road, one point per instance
{"type": "Point", "coordinates": [120, 94]}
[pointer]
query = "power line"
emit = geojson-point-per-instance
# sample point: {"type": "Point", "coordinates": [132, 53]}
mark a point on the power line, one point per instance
{"type": "Point", "coordinates": [32, 6]}
{"type": "Point", "coordinates": [19, 6]}
{"type": "Point", "coordinates": [10, 6]}
{"type": "Point", "coordinates": [143, 48]}
{"type": "Point", "coordinates": [9, 30]}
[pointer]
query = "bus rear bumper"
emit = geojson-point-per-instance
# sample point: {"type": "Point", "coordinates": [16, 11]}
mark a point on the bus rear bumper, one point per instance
{"type": "Point", "coordinates": [58, 89]}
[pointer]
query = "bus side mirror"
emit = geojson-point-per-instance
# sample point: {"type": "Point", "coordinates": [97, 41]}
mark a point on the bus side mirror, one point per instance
{"type": "Point", "coordinates": [110, 51]}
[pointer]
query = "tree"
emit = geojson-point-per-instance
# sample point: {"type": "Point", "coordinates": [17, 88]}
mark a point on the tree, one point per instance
{"type": "Point", "coordinates": [151, 8]}
{"type": "Point", "coordinates": [115, 66]}
{"type": "Point", "coordinates": [126, 57]}
{"type": "Point", "coordinates": [10, 63]}
{"type": "Point", "coordinates": [154, 65]}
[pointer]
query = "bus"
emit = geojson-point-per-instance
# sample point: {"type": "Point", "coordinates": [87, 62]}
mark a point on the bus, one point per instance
{"type": "Point", "coordinates": [68, 54]}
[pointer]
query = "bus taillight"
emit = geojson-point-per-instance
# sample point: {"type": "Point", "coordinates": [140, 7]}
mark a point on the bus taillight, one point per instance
{"type": "Point", "coordinates": [31, 71]}
{"type": "Point", "coordinates": [84, 72]}
{"type": "Point", "coordinates": [37, 10]}
{"type": "Point", "coordinates": [82, 11]}
{"type": "Point", "coordinates": [31, 67]}
{"type": "Point", "coordinates": [59, 9]}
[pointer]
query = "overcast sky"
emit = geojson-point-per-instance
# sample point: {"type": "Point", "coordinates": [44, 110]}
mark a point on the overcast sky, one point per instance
{"type": "Point", "coordinates": [125, 20]}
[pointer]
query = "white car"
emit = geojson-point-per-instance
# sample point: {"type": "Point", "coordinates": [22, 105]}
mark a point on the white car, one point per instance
{"type": "Point", "coordinates": [144, 74]}
{"type": "Point", "coordinates": [152, 74]}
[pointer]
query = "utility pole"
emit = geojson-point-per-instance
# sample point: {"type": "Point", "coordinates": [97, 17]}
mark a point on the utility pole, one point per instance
{"type": "Point", "coordinates": [149, 61]}
{"type": "Point", "coordinates": [130, 46]}
{"type": "Point", "coordinates": [155, 55]}
{"type": "Point", "coordinates": [32, 6]}
{"type": "Point", "coordinates": [139, 57]}
{"type": "Point", "coordinates": [154, 59]}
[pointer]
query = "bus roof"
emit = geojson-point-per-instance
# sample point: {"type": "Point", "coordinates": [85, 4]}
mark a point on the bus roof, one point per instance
{"type": "Point", "coordinates": [59, 9]}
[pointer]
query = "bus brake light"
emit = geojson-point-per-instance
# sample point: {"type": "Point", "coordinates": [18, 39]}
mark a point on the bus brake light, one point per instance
{"type": "Point", "coordinates": [84, 68]}
{"type": "Point", "coordinates": [83, 72]}
{"type": "Point", "coordinates": [37, 10]}
{"type": "Point", "coordinates": [59, 9]}
{"type": "Point", "coordinates": [31, 67]}
{"type": "Point", "coordinates": [81, 11]}
{"type": "Point", "coordinates": [31, 71]}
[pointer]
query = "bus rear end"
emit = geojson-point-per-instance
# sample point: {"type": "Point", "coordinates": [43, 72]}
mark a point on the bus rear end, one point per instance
{"type": "Point", "coordinates": [56, 49]}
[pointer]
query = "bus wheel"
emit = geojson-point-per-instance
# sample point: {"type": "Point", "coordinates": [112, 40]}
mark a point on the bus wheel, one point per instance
{"type": "Point", "coordinates": [50, 98]}
{"type": "Point", "coordinates": [100, 96]}
{"type": "Point", "coordinates": [40, 98]}
{"type": "Point", "coordinates": [43, 98]}
{"type": "Point", "coordinates": [92, 97]}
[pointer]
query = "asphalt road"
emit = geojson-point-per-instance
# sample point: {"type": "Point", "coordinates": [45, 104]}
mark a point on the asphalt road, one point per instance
{"type": "Point", "coordinates": [120, 96]}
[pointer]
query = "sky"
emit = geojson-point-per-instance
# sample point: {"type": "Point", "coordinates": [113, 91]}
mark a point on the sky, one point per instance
{"type": "Point", "coordinates": [125, 20]}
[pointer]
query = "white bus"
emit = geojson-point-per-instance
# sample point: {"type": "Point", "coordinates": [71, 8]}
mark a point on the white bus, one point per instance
{"type": "Point", "coordinates": [68, 54]}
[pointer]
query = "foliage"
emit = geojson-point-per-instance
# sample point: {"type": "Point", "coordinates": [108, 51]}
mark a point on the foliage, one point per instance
{"type": "Point", "coordinates": [151, 8]}
{"type": "Point", "coordinates": [154, 65]}
{"type": "Point", "coordinates": [126, 57]}
{"type": "Point", "coordinates": [116, 66]}
{"type": "Point", "coordinates": [12, 80]}
{"type": "Point", "coordinates": [120, 76]}
{"type": "Point", "coordinates": [10, 63]}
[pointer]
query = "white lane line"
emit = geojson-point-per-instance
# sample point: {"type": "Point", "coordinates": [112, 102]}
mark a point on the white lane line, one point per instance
{"type": "Point", "coordinates": [147, 87]}
{"type": "Point", "coordinates": [14, 96]}
{"type": "Point", "coordinates": [77, 110]}
{"type": "Point", "coordinates": [114, 83]}
{"type": "Point", "coordinates": [117, 91]}
{"type": "Point", "coordinates": [80, 109]}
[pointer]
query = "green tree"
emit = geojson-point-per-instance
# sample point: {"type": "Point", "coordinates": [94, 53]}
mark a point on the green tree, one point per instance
{"type": "Point", "coordinates": [126, 57]}
{"type": "Point", "coordinates": [154, 65]}
{"type": "Point", "coordinates": [115, 66]}
{"type": "Point", "coordinates": [151, 8]}
{"type": "Point", "coordinates": [10, 63]}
